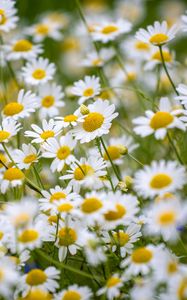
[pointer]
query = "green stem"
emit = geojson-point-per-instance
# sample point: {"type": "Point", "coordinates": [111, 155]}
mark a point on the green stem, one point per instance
{"type": "Point", "coordinates": [174, 148]}
{"type": "Point", "coordinates": [136, 160]}
{"type": "Point", "coordinates": [38, 177]}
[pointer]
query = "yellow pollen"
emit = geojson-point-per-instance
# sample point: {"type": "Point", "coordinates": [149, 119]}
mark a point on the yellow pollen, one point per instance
{"type": "Point", "coordinates": [13, 108]}
{"type": "Point", "coordinates": [4, 135]}
{"type": "Point", "coordinates": [36, 277]}
{"type": "Point", "coordinates": [42, 29]}
{"type": "Point", "coordinates": [67, 236]}
{"type": "Point", "coordinates": [22, 46]}
{"type": "Point", "coordinates": [166, 55]}
{"type": "Point", "coordinates": [88, 92]}
{"type": "Point", "coordinates": [21, 219]}
{"type": "Point", "coordinates": [158, 38]}
{"type": "Point", "coordinates": [70, 118]}
{"type": "Point", "coordinates": [2, 158]}
{"type": "Point", "coordinates": [142, 46]}
{"type": "Point", "coordinates": [65, 207]}
{"type": "Point", "coordinates": [113, 215]}
{"type": "Point", "coordinates": [13, 174]}
{"type": "Point", "coordinates": [182, 290]}
{"type": "Point", "coordinates": [72, 295]}
{"type": "Point", "coordinates": [1, 235]}
{"type": "Point", "coordinates": [141, 255]}
{"type": "Point", "coordinates": [30, 158]}
{"type": "Point", "coordinates": [167, 218]}
{"type": "Point", "coordinates": [109, 29]}
{"type": "Point", "coordinates": [37, 294]}
{"type": "Point", "coordinates": [48, 101]}
{"type": "Point", "coordinates": [161, 119]}
{"type": "Point", "coordinates": [113, 281]}
{"type": "Point", "coordinates": [172, 267]}
{"type": "Point", "coordinates": [28, 235]}
{"type": "Point", "coordinates": [81, 172]}
{"type": "Point", "coordinates": [57, 196]}
{"type": "Point", "coordinates": [121, 238]}
{"type": "Point", "coordinates": [39, 74]}
{"type": "Point", "coordinates": [3, 18]}
{"type": "Point", "coordinates": [160, 181]}
{"type": "Point", "coordinates": [47, 134]}
{"type": "Point", "coordinates": [93, 121]}
{"type": "Point", "coordinates": [63, 152]}
{"type": "Point", "coordinates": [91, 205]}
{"type": "Point", "coordinates": [113, 151]}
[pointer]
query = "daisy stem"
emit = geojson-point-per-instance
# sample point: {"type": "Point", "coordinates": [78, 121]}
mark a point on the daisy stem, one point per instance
{"type": "Point", "coordinates": [166, 70]}
{"type": "Point", "coordinates": [112, 164]}
{"type": "Point", "coordinates": [38, 177]}
{"type": "Point", "coordinates": [80, 167]}
{"type": "Point", "coordinates": [174, 148]}
{"type": "Point", "coordinates": [28, 181]}
{"type": "Point", "coordinates": [136, 160]}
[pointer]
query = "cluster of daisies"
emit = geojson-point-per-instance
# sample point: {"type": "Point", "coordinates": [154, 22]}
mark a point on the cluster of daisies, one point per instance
{"type": "Point", "coordinates": [93, 173]}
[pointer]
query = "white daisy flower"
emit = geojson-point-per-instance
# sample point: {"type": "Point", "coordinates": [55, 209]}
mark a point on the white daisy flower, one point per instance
{"type": "Point", "coordinates": [37, 293]}
{"type": "Point", "coordinates": [177, 289]}
{"type": "Point", "coordinates": [38, 71]}
{"type": "Point", "coordinates": [26, 103]}
{"type": "Point", "coordinates": [7, 236]}
{"type": "Point", "coordinates": [75, 292]}
{"type": "Point", "coordinates": [70, 120]}
{"type": "Point", "coordinates": [112, 287]}
{"type": "Point", "coordinates": [26, 157]}
{"type": "Point", "coordinates": [139, 50]}
{"type": "Point", "coordinates": [159, 122]}
{"type": "Point", "coordinates": [45, 29]}
{"type": "Point", "coordinates": [86, 173]}
{"type": "Point", "coordinates": [22, 49]}
{"type": "Point", "coordinates": [50, 97]}
{"type": "Point", "coordinates": [158, 34]}
{"type": "Point", "coordinates": [11, 177]}
{"type": "Point", "coordinates": [94, 252]}
{"type": "Point", "coordinates": [8, 19]}
{"type": "Point", "coordinates": [97, 122]}
{"type": "Point", "coordinates": [158, 178]}
{"type": "Point", "coordinates": [107, 31]}
{"type": "Point", "coordinates": [144, 289]}
{"type": "Point", "coordinates": [87, 88]}
{"type": "Point", "coordinates": [94, 59]}
{"type": "Point", "coordinates": [9, 277]}
{"type": "Point", "coordinates": [8, 129]}
{"type": "Point", "coordinates": [155, 59]}
{"type": "Point", "coordinates": [182, 90]}
{"type": "Point", "coordinates": [60, 151]}
{"type": "Point", "coordinates": [49, 129]}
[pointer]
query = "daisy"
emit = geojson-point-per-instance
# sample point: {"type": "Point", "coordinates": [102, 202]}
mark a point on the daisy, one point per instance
{"type": "Point", "coordinates": [144, 289]}
{"type": "Point", "coordinates": [8, 19]}
{"type": "Point", "coordinates": [97, 122]}
{"type": "Point", "coordinates": [139, 50]}
{"type": "Point", "coordinates": [7, 237]}
{"type": "Point", "coordinates": [158, 34]}
{"type": "Point", "coordinates": [40, 279]}
{"type": "Point", "coordinates": [108, 31]}
{"type": "Point", "coordinates": [37, 293]}
{"type": "Point", "coordinates": [49, 129]}
{"type": "Point", "coordinates": [70, 120]}
{"type": "Point", "coordinates": [38, 71]}
{"type": "Point", "coordinates": [87, 88]}
{"type": "Point", "coordinates": [50, 97]}
{"type": "Point", "coordinates": [26, 157]}
{"type": "Point", "coordinates": [26, 103]}
{"type": "Point", "coordinates": [155, 59]}
{"type": "Point", "coordinates": [11, 177]}
{"type": "Point", "coordinates": [75, 292]}
{"type": "Point", "coordinates": [112, 287]}
{"type": "Point", "coordinates": [41, 31]}
{"type": "Point", "coordinates": [60, 151]}
{"type": "Point", "coordinates": [9, 277]}
{"type": "Point", "coordinates": [93, 249]}
{"type": "Point", "coordinates": [159, 122]}
{"type": "Point", "coordinates": [86, 173]}
{"type": "Point", "coordinates": [159, 178]}
{"type": "Point", "coordinates": [94, 59]}
{"type": "Point", "coordinates": [22, 49]}
{"type": "Point", "coordinates": [182, 90]}
{"type": "Point", "coordinates": [8, 129]}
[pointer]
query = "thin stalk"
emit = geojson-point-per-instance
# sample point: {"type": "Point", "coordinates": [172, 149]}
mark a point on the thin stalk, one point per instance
{"type": "Point", "coordinates": [38, 177]}
{"type": "Point", "coordinates": [175, 149]}
{"type": "Point", "coordinates": [136, 160]}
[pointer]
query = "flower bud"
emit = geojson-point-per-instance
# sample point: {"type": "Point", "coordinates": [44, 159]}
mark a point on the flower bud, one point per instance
{"type": "Point", "coordinates": [84, 109]}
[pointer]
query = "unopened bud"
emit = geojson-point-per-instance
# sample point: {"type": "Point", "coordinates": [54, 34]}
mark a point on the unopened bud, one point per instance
{"type": "Point", "coordinates": [128, 181]}
{"type": "Point", "coordinates": [122, 149]}
{"type": "Point", "coordinates": [84, 109]}
{"type": "Point", "coordinates": [122, 186]}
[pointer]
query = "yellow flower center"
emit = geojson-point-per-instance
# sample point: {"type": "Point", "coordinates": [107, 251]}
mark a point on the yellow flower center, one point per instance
{"type": "Point", "coordinates": [48, 101]}
{"type": "Point", "coordinates": [70, 118]}
{"type": "Point", "coordinates": [172, 267]}
{"type": "Point", "coordinates": [158, 38]}
{"type": "Point", "coordinates": [42, 29]}
{"type": "Point", "coordinates": [13, 174]}
{"type": "Point", "coordinates": [36, 294]}
{"type": "Point", "coordinates": [160, 181]}
{"type": "Point", "coordinates": [166, 55]}
{"type": "Point", "coordinates": [47, 134]}
{"type": "Point", "coordinates": [13, 108]}
{"type": "Point", "coordinates": [113, 151]}
{"type": "Point", "coordinates": [52, 219]}
{"type": "Point", "coordinates": [71, 295]}
{"type": "Point", "coordinates": [4, 135]}
{"type": "Point", "coordinates": [182, 290]}
{"type": "Point", "coordinates": [57, 196]}
{"type": "Point", "coordinates": [63, 152]}
{"type": "Point", "coordinates": [88, 92]}
{"type": "Point", "coordinates": [36, 277]}
{"type": "Point", "coordinates": [39, 74]}
{"type": "Point", "coordinates": [22, 46]}
{"type": "Point", "coordinates": [113, 281]}
{"type": "Point", "coordinates": [167, 218]}
{"type": "Point", "coordinates": [91, 205]}
{"type": "Point", "coordinates": [161, 119]}
{"type": "Point", "coordinates": [1, 235]}
{"type": "Point", "coordinates": [109, 29]}
{"type": "Point", "coordinates": [67, 236]}
{"type": "Point", "coordinates": [81, 172]}
{"type": "Point", "coordinates": [142, 46]}
{"type": "Point", "coordinates": [30, 158]}
{"type": "Point", "coordinates": [28, 235]}
{"type": "Point", "coordinates": [113, 215]}
{"type": "Point", "coordinates": [3, 18]}
{"type": "Point", "coordinates": [121, 238]}
{"type": "Point", "coordinates": [21, 219]}
{"type": "Point", "coordinates": [141, 255]}
{"type": "Point", "coordinates": [97, 62]}
{"type": "Point", "coordinates": [93, 121]}
{"type": "Point", "coordinates": [2, 158]}
{"type": "Point", "coordinates": [131, 76]}
{"type": "Point", "coordinates": [1, 275]}
{"type": "Point", "coordinates": [65, 207]}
